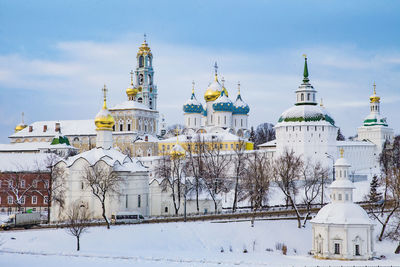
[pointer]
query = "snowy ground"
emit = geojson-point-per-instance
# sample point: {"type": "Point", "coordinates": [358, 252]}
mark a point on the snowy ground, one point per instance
{"type": "Point", "coordinates": [173, 244]}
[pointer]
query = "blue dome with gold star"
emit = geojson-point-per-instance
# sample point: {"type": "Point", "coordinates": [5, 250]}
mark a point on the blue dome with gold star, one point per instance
{"type": "Point", "coordinates": [240, 107]}
{"type": "Point", "coordinates": [192, 105]}
{"type": "Point", "coordinates": [223, 103]}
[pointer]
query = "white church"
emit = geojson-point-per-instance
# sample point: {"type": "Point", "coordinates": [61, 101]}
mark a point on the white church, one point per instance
{"type": "Point", "coordinates": [342, 229]}
{"type": "Point", "coordinates": [220, 113]}
{"type": "Point", "coordinates": [309, 130]}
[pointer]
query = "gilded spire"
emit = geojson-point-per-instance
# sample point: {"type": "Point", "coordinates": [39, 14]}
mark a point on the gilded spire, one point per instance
{"type": "Point", "coordinates": [305, 73]}
{"type": "Point", "coordinates": [341, 152]}
{"type": "Point", "coordinates": [238, 88]}
{"type": "Point", "coordinates": [374, 98]}
{"type": "Point", "coordinates": [192, 87]}
{"type": "Point", "coordinates": [322, 103]}
{"type": "Point", "coordinates": [104, 89]}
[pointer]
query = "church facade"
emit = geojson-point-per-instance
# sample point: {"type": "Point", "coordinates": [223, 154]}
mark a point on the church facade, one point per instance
{"type": "Point", "coordinates": [136, 120]}
{"type": "Point", "coordinates": [219, 114]}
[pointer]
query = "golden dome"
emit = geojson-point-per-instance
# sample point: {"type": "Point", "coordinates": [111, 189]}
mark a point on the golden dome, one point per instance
{"type": "Point", "coordinates": [20, 127]}
{"type": "Point", "coordinates": [131, 91]}
{"type": "Point", "coordinates": [214, 90]}
{"type": "Point", "coordinates": [177, 151]}
{"type": "Point", "coordinates": [374, 98]}
{"type": "Point", "coordinates": [104, 120]}
{"type": "Point", "coordinates": [144, 49]}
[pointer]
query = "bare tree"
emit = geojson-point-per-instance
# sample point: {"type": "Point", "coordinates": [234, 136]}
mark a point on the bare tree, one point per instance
{"type": "Point", "coordinates": [259, 173]}
{"type": "Point", "coordinates": [52, 181]}
{"type": "Point", "coordinates": [313, 175]}
{"type": "Point", "coordinates": [390, 183]}
{"type": "Point", "coordinates": [195, 166]}
{"type": "Point", "coordinates": [394, 231]}
{"type": "Point", "coordinates": [240, 170]}
{"type": "Point", "coordinates": [287, 174]}
{"type": "Point", "coordinates": [17, 186]}
{"type": "Point", "coordinates": [104, 183]}
{"type": "Point", "coordinates": [171, 170]}
{"type": "Point", "coordinates": [215, 163]}
{"type": "Point", "coordinates": [77, 218]}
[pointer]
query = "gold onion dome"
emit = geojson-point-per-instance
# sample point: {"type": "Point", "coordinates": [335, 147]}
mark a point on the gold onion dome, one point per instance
{"type": "Point", "coordinates": [104, 120]}
{"type": "Point", "coordinates": [131, 91]}
{"type": "Point", "coordinates": [214, 89]}
{"type": "Point", "coordinates": [20, 126]}
{"type": "Point", "coordinates": [374, 98]}
{"type": "Point", "coordinates": [144, 49]}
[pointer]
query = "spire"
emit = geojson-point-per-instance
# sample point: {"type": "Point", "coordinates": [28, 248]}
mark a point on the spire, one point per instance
{"type": "Point", "coordinates": [238, 95]}
{"type": "Point", "coordinates": [305, 73]}
{"type": "Point", "coordinates": [104, 89]}
{"type": "Point", "coordinates": [131, 73]}
{"type": "Point", "coordinates": [22, 118]}
{"type": "Point", "coordinates": [374, 88]}
{"type": "Point", "coordinates": [193, 88]}
{"type": "Point", "coordinates": [144, 38]}
{"type": "Point", "coordinates": [341, 152]}
{"type": "Point", "coordinates": [216, 70]}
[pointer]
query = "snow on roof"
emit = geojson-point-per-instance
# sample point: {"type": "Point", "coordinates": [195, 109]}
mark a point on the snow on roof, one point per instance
{"type": "Point", "coordinates": [131, 105]}
{"type": "Point", "coordinates": [342, 213]}
{"type": "Point", "coordinates": [306, 113]}
{"type": "Point", "coordinates": [223, 137]}
{"type": "Point", "coordinates": [67, 127]}
{"type": "Point", "coordinates": [342, 183]}
{"type": "Point", "coordinates": [111, 157]}
{"type": "Point", "coordinates": [269, 144]}
{"type": "Point", "coordinates": [23, 162]}
{"type": "Point", "coordinates": [354, 143]}
{"type": "Point", "coordinates": [31, 146]}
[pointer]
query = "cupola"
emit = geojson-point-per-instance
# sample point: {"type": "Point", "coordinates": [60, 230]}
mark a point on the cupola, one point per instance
{"type": "Point", "coordinates": [240, 107]}
{"type": "Point", "coordinates": [192, 105]}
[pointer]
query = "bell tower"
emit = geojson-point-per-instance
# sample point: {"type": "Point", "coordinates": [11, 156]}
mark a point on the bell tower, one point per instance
{"type": "Point", "coordinates": [144, 77]}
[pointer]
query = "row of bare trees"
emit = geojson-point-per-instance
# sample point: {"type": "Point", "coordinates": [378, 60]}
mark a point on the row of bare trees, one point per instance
{"type": "Point", "coordinates": [210, 167]}
{"type": "Point", "coordinates": [385, 191]}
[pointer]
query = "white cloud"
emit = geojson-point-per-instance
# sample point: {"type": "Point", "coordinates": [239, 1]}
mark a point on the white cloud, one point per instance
{"type": "Point", "coordinates": [342, 75]}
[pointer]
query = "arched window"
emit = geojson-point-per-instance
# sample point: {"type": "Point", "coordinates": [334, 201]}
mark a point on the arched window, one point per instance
{"type": "Point", "coordinates": [302, 97]}
{"type": "Point", "coordinates": [151, 103]}
{"type": "Point", "coordinates": [140, 100]}
{"type": "Point", "coordinates": [224, 119]}
{"type": "Point", "coordinates": [150, 80]}
{"type": "Point", "coordinates": [308, 97]}
{"type": "Point", "coordinates": [141, 62]}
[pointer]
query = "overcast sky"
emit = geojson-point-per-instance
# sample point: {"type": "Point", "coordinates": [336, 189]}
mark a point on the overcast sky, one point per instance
{"type": "Point", "coordinates": [55, 56]}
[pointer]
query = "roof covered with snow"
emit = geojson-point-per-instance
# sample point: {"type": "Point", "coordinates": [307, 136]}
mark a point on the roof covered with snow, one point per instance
{"type": "Point", "coordinates": [111, 157]}
{"type": "Point", "coordinates": [24, 162]}
{"type": "Point", "coordinates": [31, 146]}
{"type": "Point", "coordinates": [67, 127]}
{"type": "Point", "coordinates": [130, 104]}
{"type": "Point", "coordinates": [306, 113]}
{"type": "Point", "coordinates": [223, 137]}
{"type": "Point", "coordinates": [342, 213]}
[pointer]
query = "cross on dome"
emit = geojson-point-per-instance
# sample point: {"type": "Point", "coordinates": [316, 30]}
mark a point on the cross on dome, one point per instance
{"type": "Point", "coordinates": [104, 89]}
{"type": "Point", "coordinates": [341, 152]}
{"type": "Point", "coordinates": [216, 69]}
{"type": "Point", "coordinates": [239, 88]}
{"type": "Point", "coordinates": [131, 73]}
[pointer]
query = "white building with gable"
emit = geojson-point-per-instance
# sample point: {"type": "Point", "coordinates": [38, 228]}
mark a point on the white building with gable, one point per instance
{"type": "Point", "coordinates": [133, 193]}
{"type": "Point", "coordinates": [342, 229]}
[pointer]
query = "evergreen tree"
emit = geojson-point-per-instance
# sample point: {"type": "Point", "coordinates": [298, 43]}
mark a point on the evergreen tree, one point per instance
{"type": "Point", "coordinates": [374, 195]}
{"type": "Point", "coordinates": [252, 137]}
{"type": "Point", "coordinates": [340, 136]}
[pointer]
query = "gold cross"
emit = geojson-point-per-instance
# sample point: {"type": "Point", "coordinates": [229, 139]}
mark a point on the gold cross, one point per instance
{"type": "Point", "coordinates": [104, 89]}
{"type": "Point", "coordinates": [341, 152]}
{"type": "Point", "coordinates": [239, 88]}
{"type": "Point", "coordinates": [374, 88]}
{"type": "Point", "coordinates": [192, 87]}
{"type": "Point", "coordinates": [131, 77]}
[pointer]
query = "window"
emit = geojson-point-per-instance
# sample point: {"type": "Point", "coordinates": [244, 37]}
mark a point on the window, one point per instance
{"type": "Point", "coordinates": [141, 62]}
{"type": "Point", "coordinates": [138, 201]}
{"type": "Point", "coordinates": [23, 200]}
{"type": "Point", "coordinates": [82, 185]}
{"type": "Point", "coordinates": [224, 119]}
{"type": "Point", "coordinates": [34, 199]}
{"type": "Point", "coordinates": [45, 199]}
{"type": "Point", "coordinates": [166, 209]}
{"type": "Point", "coordinates": [347, 197]}
{"type": "Point", "coordinates": [241, 122]}
{"type": "Point", "coordinates": [129, 127]}
{"type": "Point", "coordinates": [302, 97]}
{"type": "Point", "coordinates": [126, 201]}
{"type": "Point", "coordinates": [218, 120]}
{"type": "Point", "coordinates": [339, 196]}
{"type": "Point", "coordinates": [308, 96]}
{"type": "Point", "coordinates": [337, 248]}
{"type": "Point", "coordinates": [9, 200]}
{"type": "Point", "coordinates": [121, 127]}
{"type": "Point", "coordinates": [34, 183]}
{"type": "Point", "coordinates": [22, 183]}
{"type": "Point", "coordinates": [357, 250]}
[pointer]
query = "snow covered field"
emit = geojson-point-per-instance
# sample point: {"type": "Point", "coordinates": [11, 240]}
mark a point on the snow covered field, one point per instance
{"type": "Point", "coordinates": [173, 244]}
